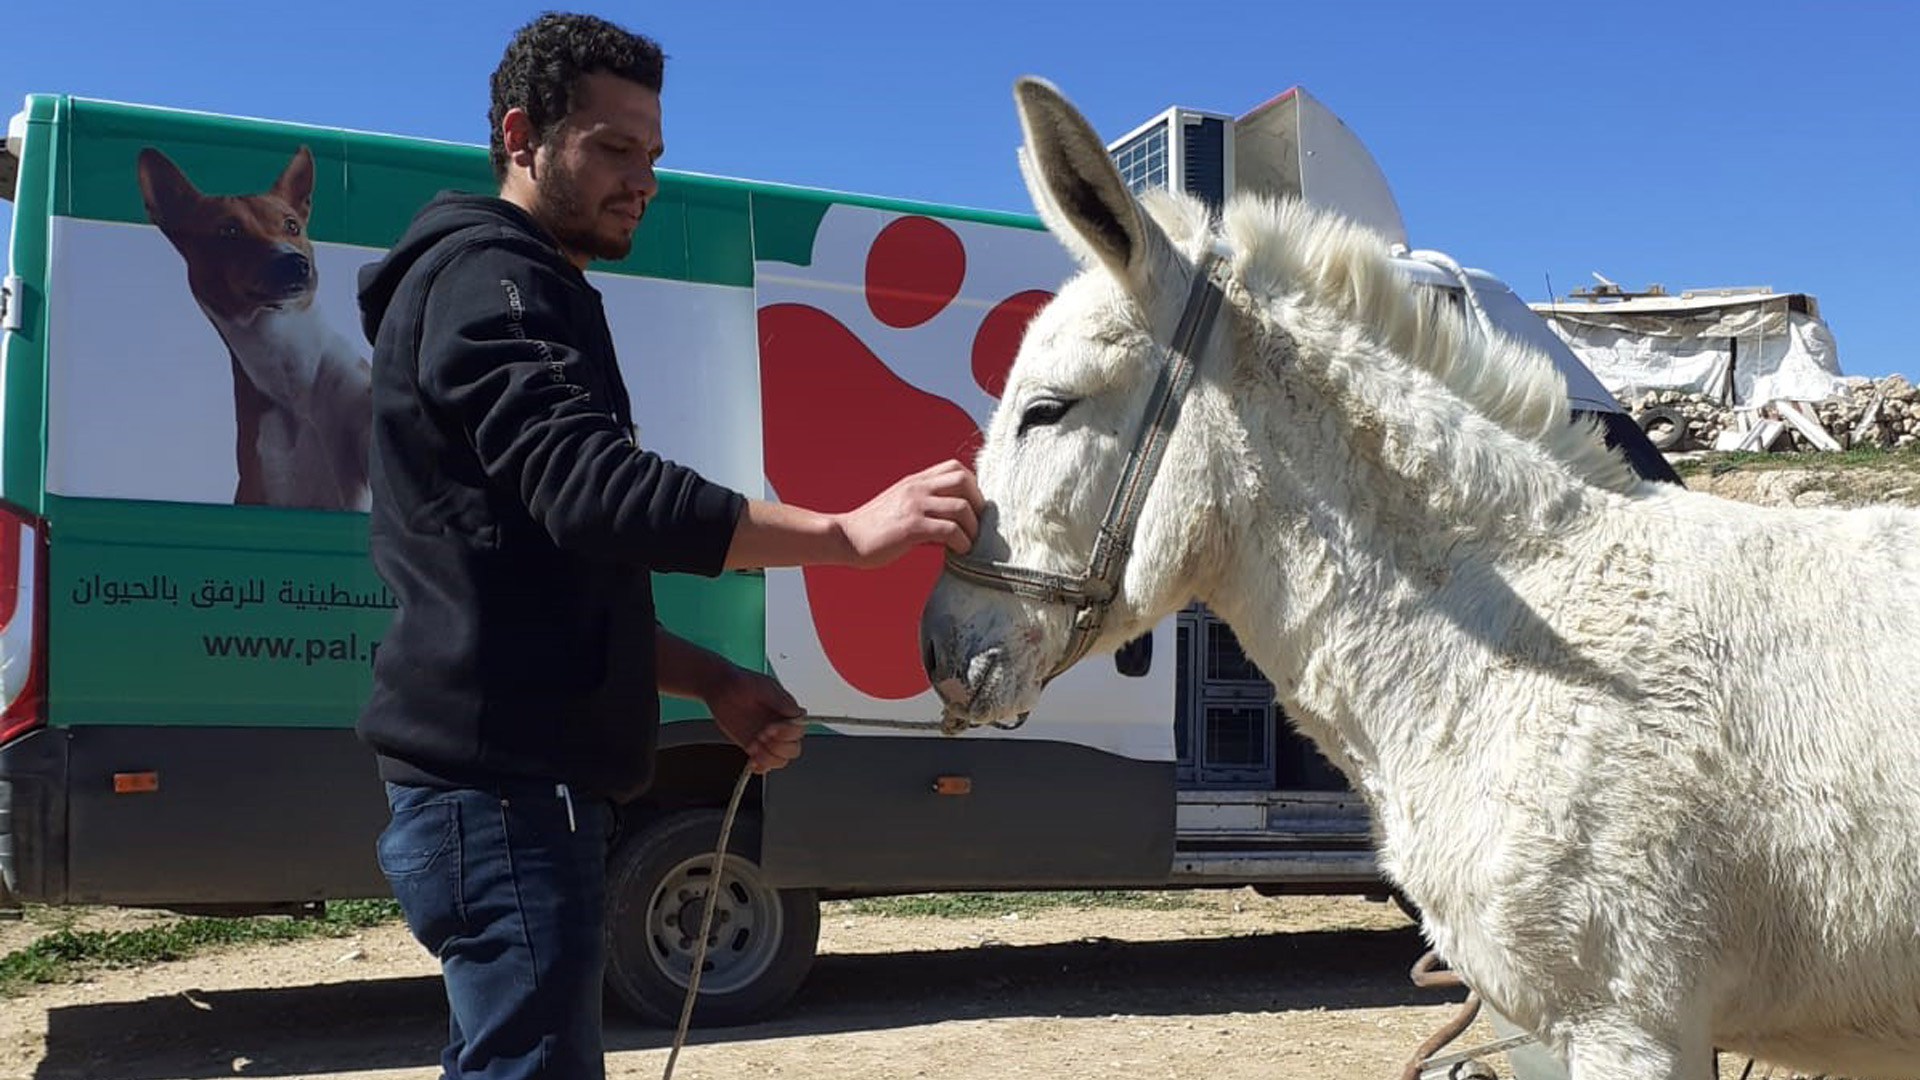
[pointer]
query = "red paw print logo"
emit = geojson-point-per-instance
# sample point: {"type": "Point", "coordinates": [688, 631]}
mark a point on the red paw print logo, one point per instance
{"type": "Point", "coordinates": [843, 421]}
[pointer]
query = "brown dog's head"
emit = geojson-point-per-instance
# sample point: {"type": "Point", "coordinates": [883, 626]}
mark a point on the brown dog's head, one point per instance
{"type": "Point", "coordinates": [244, 253]}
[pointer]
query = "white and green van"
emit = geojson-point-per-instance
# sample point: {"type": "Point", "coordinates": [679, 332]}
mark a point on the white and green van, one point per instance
{"type": "Point", "coordinates": [181, 661]}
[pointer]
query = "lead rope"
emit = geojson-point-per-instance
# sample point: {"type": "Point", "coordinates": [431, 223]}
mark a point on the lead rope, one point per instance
{"type": "Point", "coordinates": [713, 882]}
{"type": "Point", "coordinates": [706, 921]}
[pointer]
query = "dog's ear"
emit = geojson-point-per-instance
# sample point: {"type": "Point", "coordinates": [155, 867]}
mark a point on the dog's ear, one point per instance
{"type": "Point", "coordinates": [296, 182]}
{"type": "Point", "coordinates": [164, 189]}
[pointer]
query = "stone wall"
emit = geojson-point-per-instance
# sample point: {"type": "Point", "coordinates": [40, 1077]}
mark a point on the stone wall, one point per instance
{"type": "Point", "coordinates": [1697, 419]}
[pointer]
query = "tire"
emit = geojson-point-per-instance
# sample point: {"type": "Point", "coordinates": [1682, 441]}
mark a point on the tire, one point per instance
{"type": "Point", "coordinates": [1665, 426]}
{"type": "Point", "coordinates": [763, 939]}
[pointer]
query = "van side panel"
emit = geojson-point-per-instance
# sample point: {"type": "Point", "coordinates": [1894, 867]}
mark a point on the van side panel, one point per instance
{"type": "Point", "coordinates": [215, 650]}
{"type": "Point", "coordinates": [199, 615]}
{"type": "Point", "coordinates": [886, 338]}
{"type": "Point", "coordinates": [171, 604]}
{"type": "Point", "coordinates": [918, 814]}
{"type": "Point", "coordinates": [211, 655]}
{"type": "Point", "coordinates": [886, 333]}
{"type": "Point", "coordinates": [243, 816]}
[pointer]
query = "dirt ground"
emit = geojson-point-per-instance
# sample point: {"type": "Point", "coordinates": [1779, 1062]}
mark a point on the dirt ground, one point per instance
{"type": "Point", "coordinates": [1240, 986]}
{"type": "Point", "coordinates": [1237, 988]}
{"type": "Point", "coordinates": [1813, 480]}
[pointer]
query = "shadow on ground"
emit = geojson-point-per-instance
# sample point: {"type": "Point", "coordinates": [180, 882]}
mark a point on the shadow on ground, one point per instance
{"type": "Point", "coordinates": [397, 1023]}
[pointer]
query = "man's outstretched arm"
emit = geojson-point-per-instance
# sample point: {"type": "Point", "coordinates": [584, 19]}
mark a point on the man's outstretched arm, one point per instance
{"type": "Point", "coordinates": [937, 505]}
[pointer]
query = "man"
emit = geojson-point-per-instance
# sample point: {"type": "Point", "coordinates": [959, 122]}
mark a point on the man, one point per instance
{"type": "Point", "coordinates": [517, 523]}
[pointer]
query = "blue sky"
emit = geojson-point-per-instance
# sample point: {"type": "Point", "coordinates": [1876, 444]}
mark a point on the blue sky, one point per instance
{"type": "Point", "coordinates": [1692, 144]}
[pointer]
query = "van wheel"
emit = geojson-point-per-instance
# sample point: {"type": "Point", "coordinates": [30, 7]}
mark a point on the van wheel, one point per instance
{"type": "Point", "coordinates": [762, 942]}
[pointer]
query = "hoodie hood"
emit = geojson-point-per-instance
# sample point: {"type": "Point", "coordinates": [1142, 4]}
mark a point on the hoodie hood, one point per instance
{"type": "Point", "coordinates": [449, 212]}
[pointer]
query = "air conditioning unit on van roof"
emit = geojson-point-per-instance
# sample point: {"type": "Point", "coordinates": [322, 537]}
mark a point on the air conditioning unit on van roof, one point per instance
{"type": "Point", "coordinates": [1292, 145]}
{"type": "Point", "coordinates": [1185, 149]}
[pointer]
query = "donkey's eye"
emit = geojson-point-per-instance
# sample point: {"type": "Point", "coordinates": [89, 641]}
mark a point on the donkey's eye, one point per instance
{"type": "Point", "coordinates": [228, 230]}
{"type": "Point", "coordinates": [1041, 412]}
{"type": "Point", "coordinates": [293, 227]}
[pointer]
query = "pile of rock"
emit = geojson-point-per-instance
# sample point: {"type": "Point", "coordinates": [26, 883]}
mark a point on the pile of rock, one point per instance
{"type": "Point", "coordinates": [1881, 412]}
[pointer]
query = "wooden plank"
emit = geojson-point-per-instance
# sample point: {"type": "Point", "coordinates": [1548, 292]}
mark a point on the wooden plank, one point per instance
{"type": "Point", "coordinates": [1868, 418]}
{"type": "Point", "coordinates": [1806, 424]}
{"type": "Point", "coordinates": [1770, 432]}
{"type": "Point", "coordinates": [1762, 436]}
{"type": "Point", "coordinates": [1737, 434]}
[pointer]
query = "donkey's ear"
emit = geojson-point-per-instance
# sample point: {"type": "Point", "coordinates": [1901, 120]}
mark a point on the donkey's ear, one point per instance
{"type": "Point", "coordinates": [1078, 192]}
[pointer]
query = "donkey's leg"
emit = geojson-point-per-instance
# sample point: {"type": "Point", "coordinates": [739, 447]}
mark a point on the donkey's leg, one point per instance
{"type": "Point", "coordinates": [1622, 1050]}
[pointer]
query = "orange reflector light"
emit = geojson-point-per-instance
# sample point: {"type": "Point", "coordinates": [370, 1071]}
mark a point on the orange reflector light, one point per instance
{"type": "Point", "coordinates": [132, 783]}
{"type": "Point", "coordinates": [953, 785]}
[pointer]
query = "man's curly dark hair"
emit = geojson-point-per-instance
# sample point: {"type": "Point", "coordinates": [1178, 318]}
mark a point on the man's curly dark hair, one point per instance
{"type": "Point", "coordinates": [548, 56]}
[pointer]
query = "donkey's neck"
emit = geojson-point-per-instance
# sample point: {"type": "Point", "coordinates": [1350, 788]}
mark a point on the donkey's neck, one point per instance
{"type": "Point", "coordinates": [1387, 555]}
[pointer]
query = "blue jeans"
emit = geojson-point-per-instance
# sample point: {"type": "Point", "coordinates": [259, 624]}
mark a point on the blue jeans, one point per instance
{"type": "Point", "coordinates": [508, 888]}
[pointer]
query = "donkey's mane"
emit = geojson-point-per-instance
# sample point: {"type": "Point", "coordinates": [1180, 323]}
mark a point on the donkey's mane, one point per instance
{"type": "Point", "coordinates": [1287, 248]}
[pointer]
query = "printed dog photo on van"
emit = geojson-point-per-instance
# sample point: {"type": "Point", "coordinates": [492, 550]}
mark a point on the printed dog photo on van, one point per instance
{"type": "Point", "coordinates": [301, 391]}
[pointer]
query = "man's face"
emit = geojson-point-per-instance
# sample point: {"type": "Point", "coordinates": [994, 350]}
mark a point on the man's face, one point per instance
{"type": "Point", "coordinates": [593, 173]}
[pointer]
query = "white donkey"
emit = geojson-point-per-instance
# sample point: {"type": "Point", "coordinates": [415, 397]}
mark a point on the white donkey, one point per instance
{"type": "Point", "coordinates": [1648, 760]}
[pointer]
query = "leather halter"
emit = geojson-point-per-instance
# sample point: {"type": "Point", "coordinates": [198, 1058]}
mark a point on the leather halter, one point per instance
{"type": "Point", "coordinates": [1091, 592]}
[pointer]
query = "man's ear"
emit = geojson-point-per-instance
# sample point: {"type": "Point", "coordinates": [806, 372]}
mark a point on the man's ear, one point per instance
{"type": "Point", "coordinates": [518, 139]}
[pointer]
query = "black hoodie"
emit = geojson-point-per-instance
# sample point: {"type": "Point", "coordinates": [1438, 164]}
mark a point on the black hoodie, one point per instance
{"type": "Point", "coordinates": [514, 518]}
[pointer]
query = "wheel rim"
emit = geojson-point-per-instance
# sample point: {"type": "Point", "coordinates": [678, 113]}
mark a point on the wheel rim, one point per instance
{"type": "Point", "coordinates": [747, 924]}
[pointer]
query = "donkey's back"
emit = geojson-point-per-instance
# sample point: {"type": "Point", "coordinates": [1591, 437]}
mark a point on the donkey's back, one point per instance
{"type": "Point", "coordinates": [1775, 650]}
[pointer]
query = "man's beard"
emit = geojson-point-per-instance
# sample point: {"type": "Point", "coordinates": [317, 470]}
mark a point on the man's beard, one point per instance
{"type": "Point", "coordinates": [571, 222]}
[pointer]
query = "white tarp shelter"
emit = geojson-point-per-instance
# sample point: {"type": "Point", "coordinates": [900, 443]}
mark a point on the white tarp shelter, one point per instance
{"type": "Point", "coordinates": [1741, 347]}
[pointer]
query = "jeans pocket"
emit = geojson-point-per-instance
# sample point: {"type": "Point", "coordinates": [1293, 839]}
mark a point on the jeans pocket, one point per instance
{"type": "Point", "coordinates": [418, 835]}
{"type": "Point", "coordinates": [420, 853]}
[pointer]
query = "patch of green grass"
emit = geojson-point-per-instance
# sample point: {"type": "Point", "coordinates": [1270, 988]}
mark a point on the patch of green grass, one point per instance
{"type": "Point", "coordinates": [966, 905]}
{"type": "Point", "coordinates": [1861, 456]}
{"type": "Point", "coordinates": [66, 954]}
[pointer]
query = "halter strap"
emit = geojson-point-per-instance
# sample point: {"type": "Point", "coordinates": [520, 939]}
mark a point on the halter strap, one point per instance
{"type": "Point", "coordinates": [1092, 592]}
